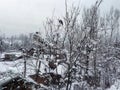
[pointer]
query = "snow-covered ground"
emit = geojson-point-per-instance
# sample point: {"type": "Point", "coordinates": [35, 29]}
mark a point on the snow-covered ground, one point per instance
{"type": "Point", "coordinates": [9, 68]}
{"type": "Point", "coordinates": [14, 67]}
{"type": "Point", "coordinates": [115, 86]}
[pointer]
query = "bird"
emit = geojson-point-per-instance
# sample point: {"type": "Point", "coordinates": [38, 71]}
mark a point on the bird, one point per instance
{"type": "Point", "coordinates": [37, 32]}
{"type": "Point", "coordinates": [60, 21]}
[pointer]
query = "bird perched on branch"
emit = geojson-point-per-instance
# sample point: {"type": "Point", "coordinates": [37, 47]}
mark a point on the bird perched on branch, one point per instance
{"type": "Point", "coordinates": [60, 21]}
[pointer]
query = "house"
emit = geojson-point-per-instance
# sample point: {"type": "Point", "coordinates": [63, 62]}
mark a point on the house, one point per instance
{"type": "Point", "coordinates": [11, 55]}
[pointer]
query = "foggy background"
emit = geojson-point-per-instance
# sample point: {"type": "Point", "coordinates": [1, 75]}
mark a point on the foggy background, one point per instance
{"type": "Point", "coordinates": [25, 16]}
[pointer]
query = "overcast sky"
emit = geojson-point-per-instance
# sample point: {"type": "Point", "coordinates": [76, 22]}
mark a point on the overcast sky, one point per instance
{"type": "Point", "coordinates": [23, 16]}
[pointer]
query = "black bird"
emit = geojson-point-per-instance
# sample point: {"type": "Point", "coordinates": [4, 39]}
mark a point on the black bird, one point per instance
{"type": "Point", "coordinates": [60, 21]}
{"type": "Point", "coordinates": [37, 32]}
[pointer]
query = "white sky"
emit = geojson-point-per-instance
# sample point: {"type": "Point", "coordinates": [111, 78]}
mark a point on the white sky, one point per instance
{"type": "Point", "coordinates": [22, 16]}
